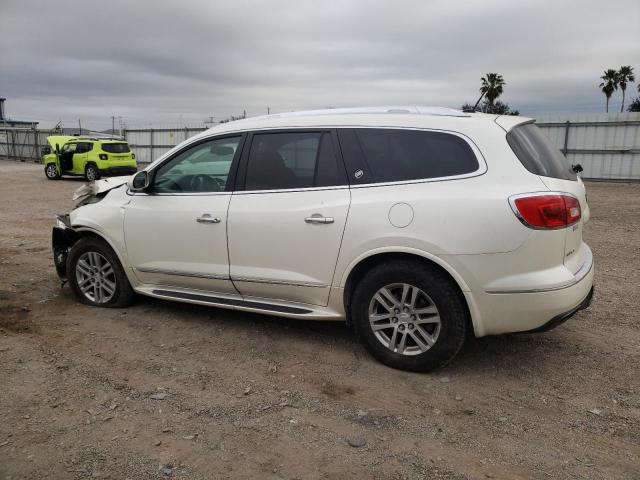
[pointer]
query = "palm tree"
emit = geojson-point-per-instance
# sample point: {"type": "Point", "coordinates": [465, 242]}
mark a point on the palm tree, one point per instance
{"type": "Point", "coordinates": [625, 74]}
{"type": "Point", "coordinates": [609, 84]}
{"type": "Point", "coordinates": [492, 88]}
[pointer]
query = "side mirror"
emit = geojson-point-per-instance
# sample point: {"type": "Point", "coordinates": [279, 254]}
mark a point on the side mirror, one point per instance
{"type": "Point", "coordinates": [57, 148]}
{"type": "Point", "coordinates": [140, 181]}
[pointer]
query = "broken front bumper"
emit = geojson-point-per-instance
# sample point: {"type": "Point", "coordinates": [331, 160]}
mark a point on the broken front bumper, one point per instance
{"type": "Point", "coordinates": [62, 238]}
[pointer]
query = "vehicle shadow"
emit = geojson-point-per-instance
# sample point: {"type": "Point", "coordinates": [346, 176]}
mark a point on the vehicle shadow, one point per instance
{"type": "Point", "coordinates": [478, 355]}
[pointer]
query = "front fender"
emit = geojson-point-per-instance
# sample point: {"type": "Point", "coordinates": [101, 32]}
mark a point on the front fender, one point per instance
{"type": "Point", "coordinates": [51, 158]}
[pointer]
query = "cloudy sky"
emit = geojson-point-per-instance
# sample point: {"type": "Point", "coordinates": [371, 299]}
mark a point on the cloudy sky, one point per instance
{"type": "Point", "coordinates": [163, 63]}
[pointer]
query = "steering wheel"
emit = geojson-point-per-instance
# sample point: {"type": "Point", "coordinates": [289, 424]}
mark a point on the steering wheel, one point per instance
{"type": "Point", "coordinates": [205, 183]}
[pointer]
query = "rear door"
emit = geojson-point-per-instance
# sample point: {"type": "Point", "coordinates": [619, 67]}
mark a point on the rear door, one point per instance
{"type": "Point", "coordinates": [80, 156]}
{"type": "Point", "coordinates": [286, 223]}
{"type": "Point", "coordinates": [538, 155]}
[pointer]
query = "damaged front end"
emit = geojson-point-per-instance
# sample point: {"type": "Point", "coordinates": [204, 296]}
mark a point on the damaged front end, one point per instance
{"type": "Point", "coordinates": [94, 191]}
{"type": "Point", "coordinates": [64, 236]}
{"type": "Point", "coordinates": [62, 239]}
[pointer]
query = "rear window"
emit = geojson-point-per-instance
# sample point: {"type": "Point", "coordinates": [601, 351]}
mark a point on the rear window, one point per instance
{"type": "Point", "coordinates": [537, 154]}
{"type": "Point", "coordinates": [115, 147]}
{"type": "Point", "coordinates": [395, 155]}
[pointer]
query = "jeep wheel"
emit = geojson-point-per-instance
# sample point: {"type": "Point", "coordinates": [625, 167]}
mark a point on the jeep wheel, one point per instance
{"type": "Point", "coordinates": [51, 171]}
{"type": "Point", "coordinates": [409, 316]}
{"type": "Point", "coordinates": [96, 276]}
{"type": "Point", "coordinates": [91, 173]}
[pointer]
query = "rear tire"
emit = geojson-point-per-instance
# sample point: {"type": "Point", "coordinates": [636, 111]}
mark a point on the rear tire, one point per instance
{"type": "Point", "coordinates": [91, 173]}
{"type": "Point", "coordinates": [409, 316]}
{"type": "Point", "coordinates": [96, 275]}
{"type": "Point", "coordinates": [51, 171]}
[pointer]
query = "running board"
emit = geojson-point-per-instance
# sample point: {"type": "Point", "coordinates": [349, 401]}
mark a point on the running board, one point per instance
{"type": "Point", "coordinates": [231, 302]}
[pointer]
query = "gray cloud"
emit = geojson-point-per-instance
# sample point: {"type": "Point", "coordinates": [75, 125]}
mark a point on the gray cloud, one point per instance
{"type": "Point", "coordinates": [152, 62]}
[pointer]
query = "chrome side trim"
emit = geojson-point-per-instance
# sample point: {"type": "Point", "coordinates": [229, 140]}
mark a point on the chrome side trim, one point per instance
{"type": "Point", "coordinates": [279, 282]}
{"type": "Point", "coordinates": [230, 302]}
{"type": "Point", "coordinates": [183, 274]}
{"type": "Point", "coordinates": [577, 278]}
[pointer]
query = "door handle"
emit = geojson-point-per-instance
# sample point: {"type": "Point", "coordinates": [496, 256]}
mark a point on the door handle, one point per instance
{"type": "Point", "coordinates": [317, 218]}
{"type": "Point", "coordinates": [207, 218]}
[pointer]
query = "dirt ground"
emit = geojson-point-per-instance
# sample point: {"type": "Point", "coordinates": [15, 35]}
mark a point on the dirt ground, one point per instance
{"type": "Point", "coordinates": [169, 390]}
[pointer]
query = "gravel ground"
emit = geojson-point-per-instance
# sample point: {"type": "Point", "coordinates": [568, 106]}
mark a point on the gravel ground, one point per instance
{"type": "Point", "coordinates": [168, 390]}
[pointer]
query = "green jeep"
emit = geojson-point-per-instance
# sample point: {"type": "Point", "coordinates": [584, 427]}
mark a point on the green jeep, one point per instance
{"type": "Point", "coordinates": [90, 157]}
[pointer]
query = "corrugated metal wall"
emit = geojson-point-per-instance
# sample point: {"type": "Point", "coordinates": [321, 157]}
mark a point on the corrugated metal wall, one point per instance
{"type": "Point", "coordinates": [23, 143]}
{"type": "Point", "coordinates": [607, 145]}
{"type": "Point", "coordinates": [150, 144]}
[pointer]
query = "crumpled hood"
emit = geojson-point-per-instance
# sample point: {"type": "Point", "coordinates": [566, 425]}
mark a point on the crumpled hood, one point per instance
{"type": "Point", "coordinates": [99, 186]}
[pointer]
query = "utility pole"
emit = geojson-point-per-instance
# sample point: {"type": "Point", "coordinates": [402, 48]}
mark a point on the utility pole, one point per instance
{"type": "Point", "coordinates": [268, 112]}
{"type": "Point", "coordinates": [113, 124]}
{"type": "Point", "coordinates": [80, 127]}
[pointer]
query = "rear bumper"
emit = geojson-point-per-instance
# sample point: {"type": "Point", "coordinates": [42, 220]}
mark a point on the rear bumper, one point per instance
{"type": "Point", "coordinates": [112, 171]}
{"type": "Point", "coordinates": [533, 310]}
{"type": "Point", "coordinates": [563, 317]}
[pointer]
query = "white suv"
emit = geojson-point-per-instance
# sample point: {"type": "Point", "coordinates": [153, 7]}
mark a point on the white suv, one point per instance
{"type": "Point", "coordinates": [418, 226]}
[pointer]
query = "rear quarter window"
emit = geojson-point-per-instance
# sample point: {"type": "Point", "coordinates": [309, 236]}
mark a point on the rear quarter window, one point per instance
{"type": "Point", "coordinates": [537, 154]}
{"type": "Point", "coordinates": [115, 147]}
{"type": "Point", "coordinates": [395, 155]}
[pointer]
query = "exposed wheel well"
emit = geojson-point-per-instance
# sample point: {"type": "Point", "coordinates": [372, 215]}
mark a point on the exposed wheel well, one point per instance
{"type": "Point", "coordinates": [360, 270]}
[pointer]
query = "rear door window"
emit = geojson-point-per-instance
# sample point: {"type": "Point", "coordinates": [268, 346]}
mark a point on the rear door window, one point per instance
{"type": "Point", "coordinates": [84, 147]}
{"type": "Point", "coordinates": [291, 160]}
{"type": "Point", "coordinates": [393, 155]}
{"type": "Point", "coordinates": [537, 154]}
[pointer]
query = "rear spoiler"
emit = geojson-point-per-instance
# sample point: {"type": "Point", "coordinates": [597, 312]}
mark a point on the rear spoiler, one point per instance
{"type": "Point", "coordinates": [507, 122]}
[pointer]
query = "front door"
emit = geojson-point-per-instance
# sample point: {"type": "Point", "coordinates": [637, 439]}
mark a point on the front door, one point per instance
{"type": "Point", "coordinates": [286, 225]}
{"type": "Point", "coordinates": [175, 233]}
{"type": "Point", "coordinates": [66, 157]}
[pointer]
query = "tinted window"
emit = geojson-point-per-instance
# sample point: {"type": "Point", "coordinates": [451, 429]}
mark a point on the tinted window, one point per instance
{"type": "Point", "coordinates": [116, 147]}
{"type": "Point", "coordinates": [202, 168]}
{"type": "Point", "coordinates": [292, 160]}
{"type": "Point", "coordinates": [537, 154]}
{"type": "Point", "coordinates": [84, 147]}
{"type": "Point", "coordinates": [395, 155]}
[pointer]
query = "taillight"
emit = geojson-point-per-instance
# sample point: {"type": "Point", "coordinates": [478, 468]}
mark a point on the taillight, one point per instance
{"type": "Point", "coordinates": [103, 156]}
{"type": "Point", "coordinates": [133, 156]}
{"type": "Point", "coordinates": [546, 210]}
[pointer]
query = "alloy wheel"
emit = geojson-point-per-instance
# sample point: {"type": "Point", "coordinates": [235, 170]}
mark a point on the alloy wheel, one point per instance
{"type": "Point", "coordinates": [51, 171]}
{"type": "Point", "coordinates": [91, 173]}
{"type": "Point", "coordinates": [404, 319]}
{"type": "Point", "coordinates": [95, 277]}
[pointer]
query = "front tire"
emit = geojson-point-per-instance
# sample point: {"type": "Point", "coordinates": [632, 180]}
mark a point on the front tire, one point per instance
{"type": "Point", "coordinates": [91, 173]}
{"type": "Point", "coordinates": [51, 171]}
{"type": "Point", "coordinates": [409, 316]}
{"type": "Point", "coordinates": [96, 276]}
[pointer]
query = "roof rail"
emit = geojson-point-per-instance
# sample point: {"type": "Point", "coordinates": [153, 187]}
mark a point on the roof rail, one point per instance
{"type": "Point", "coordinates": [417, 110]}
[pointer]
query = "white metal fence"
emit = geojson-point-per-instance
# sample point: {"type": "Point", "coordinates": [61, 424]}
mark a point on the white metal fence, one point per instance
{"type": "Point", "coordinates": [606, 145]}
